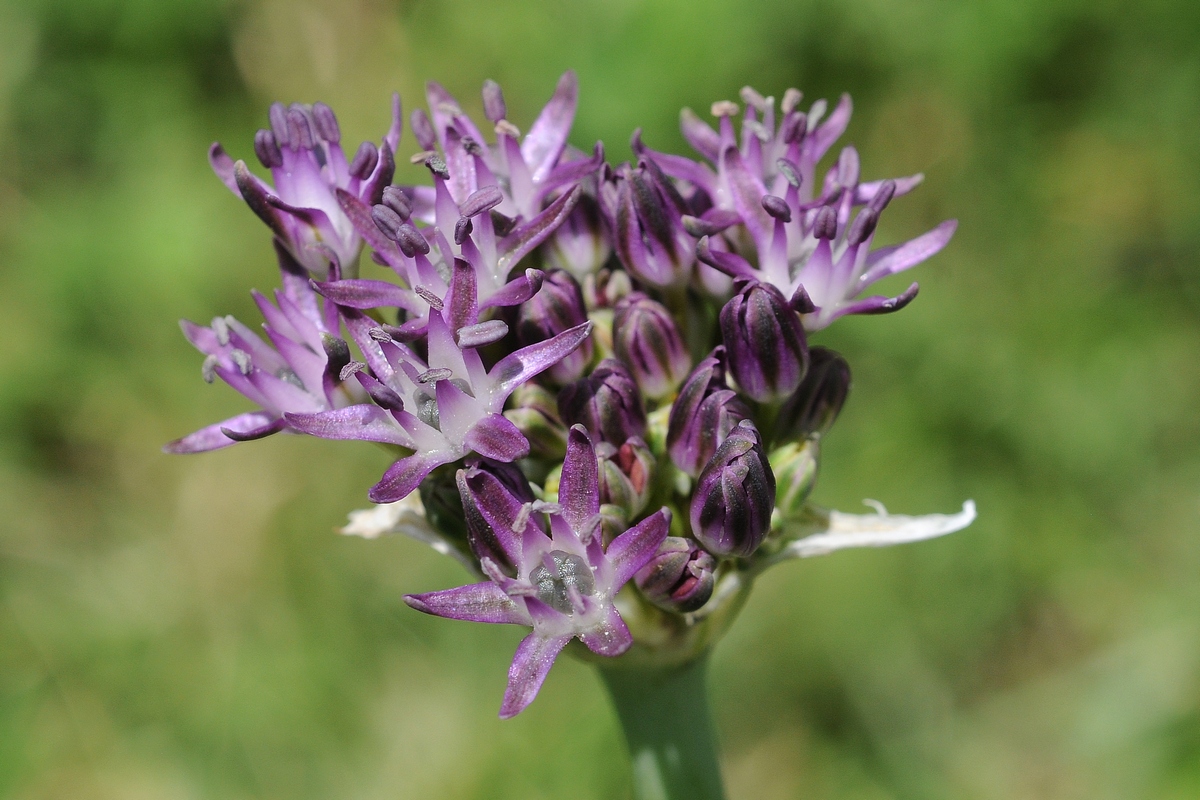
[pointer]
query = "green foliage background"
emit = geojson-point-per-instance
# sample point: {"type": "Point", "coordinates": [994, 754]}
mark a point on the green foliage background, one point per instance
{"type": "Point", "coordinates": [192, 627]}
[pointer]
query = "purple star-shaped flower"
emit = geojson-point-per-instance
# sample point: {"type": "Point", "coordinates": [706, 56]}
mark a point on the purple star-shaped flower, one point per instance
{"type": "Point", "coordinates": [560, 583]}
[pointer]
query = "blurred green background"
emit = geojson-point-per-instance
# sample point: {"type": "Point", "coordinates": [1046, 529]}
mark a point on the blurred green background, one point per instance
{"type": "Point", "coordinates": [192, 627]}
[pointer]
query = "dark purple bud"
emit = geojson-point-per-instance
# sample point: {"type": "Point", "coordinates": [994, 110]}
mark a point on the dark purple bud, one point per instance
{"type": "Point", "coordinates": [626, 474]}
{"type": "Point", "coordinates": [703, 415]}
{"type": "Point", "coordinates": [734, 495]}
{"type": "Point", "coordinates": [679, 577]}
{"type": "Point", "coordinates": [557, 307]}
{"type": "Point", "coordinates": [395, 199]}
{"type": "Point", "coordinates": [862, 227]}
{"type": "Point", "coordinates": [326, 123]}
{"type": "Point", "coordinates": [790, 172]}
{"type": "Point", "coordinates": [364, 161]}
{"type": "Point", "coordinates": [813, 407]}
{"type": "Point", "coordinates": [462, 229]}
{"type": "Point", "coordinates": [423, 130]}
{"type": "Point", "coordinates": [606, 402]}
{"type": "Point", "coordinates": [777, 207]}
{"type": "Point", "coordinates": [267, 149]}
{"type": "Point", "coordinates": [535, 413]}
{"type": "Point", "coordinates": [279, 124]}
{"type": "Point", "coordinates": [493, 101]}
{"type": "Point", "coordinates": [300, 131]}
{"type": "Point", "coordinates": [646, 338]}
{"type": "Point", "coordinates": [825, 225]}
{"type": "Point", "coordinates": [389, 222]}
{"type": "Point", "coordinates": [481, 200]}
{"type": "Point", "coordinates": [768, 355]}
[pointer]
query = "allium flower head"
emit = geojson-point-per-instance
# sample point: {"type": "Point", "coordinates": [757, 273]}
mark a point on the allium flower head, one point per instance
{"type": "Point", "coordinates": [302, 149]}
{"type": "Point", "coordinates": [560, 583]}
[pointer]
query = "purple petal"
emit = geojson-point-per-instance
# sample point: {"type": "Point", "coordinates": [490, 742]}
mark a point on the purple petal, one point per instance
{"type": "Point", "coordinates": [579, 486]}
{"type": "Point", "coordinates": [261, 432]}
{"type": "Point", "coordinates": [406, 475]}
{"type": "Point", "coordinates": [548, 136]}
{"type": "Point", "coordinates": [878, 304]}
{"type": "Point", "coordinates": [748, 190]}
{"type": "Point", "coordinates": [700, 135]}
{"type": "Point", "coordinates": [865, 192]}
{"type": "Point", "coordinates": [518, 367]}
{"type": "Point", "coordinates": [255, 193]}
{"type": "Point", "coordinates": [890, 260]}
{"type": "Point", "coordinates": [491, 510]}
{"type": "Point", "coordinates": [494, 436]}
{"type": "Point", "coordinates": [477, 602]}
{"type": "Point", "coordinates": [365, 422]}
{"type": "Point", "coordinates": [212, 437]}
{"type": "Point", "coordinates": [462, 308]}
{"type": "Point", "coordinates": [610, 638]}
{"type": "Point", "coordinates": [363, 293]}
{"type": "Point", "coordinates": [517, 291]}
{"type": "Point", "coordinates": [829, 131]}
{"type": "Point", "coordinates": [535, 655]}
{"type": "Point", "coordinates": [525, 238]}
{"type": "Point", "coordinates": [731, 264]}
{"type": "Point", "coordinates": [222, 164]}
{"type": "Point", "coordinates": [630, 551]}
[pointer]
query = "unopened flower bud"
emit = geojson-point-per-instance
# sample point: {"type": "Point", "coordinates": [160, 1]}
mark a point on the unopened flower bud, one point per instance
{"type": "Point", "coordinates": [703, 414]}
{"type": "Point", "coordinates": [535, 413]}
{"type": "Point", "coordinates": [679, 577]}
{"type": "Point", "coordinates": [813, 407]}
{"type": "Point", "coordinates": [626, 473]}
{"type": "Point", "coordinates": [604, 289]}
{"type": "Point", "coordinates": [557, 307]}
{"type": "Point", "coordinates": [606, 402]}
{"type": "Point", "coordinates": [581, 244]}
{"type": "Point", "coordinates": [768, 355]}
{"type": "Point", "coordinates": [734, 495]}
{"type": "Point", "coordinates": [647, 340]}
{"type": "Point", "coordinates": [795, 467]}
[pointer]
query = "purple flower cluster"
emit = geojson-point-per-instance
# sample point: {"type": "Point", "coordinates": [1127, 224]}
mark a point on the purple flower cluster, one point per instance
{"type": "Point", "coordinates": [604, 368]}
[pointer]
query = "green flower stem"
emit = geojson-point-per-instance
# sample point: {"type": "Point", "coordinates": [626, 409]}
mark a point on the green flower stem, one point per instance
{"type": "Point", "coordinates": [664, 713]}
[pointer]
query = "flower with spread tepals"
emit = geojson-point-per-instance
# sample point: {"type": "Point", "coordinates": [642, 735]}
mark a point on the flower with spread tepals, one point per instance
{"type": "Point", "coordinates": [303, 150]}
{"type": "Point", "coordinates": [561, 582]}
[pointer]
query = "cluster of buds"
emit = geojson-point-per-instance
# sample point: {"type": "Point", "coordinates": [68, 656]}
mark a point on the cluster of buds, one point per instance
{"type": "Point", "coordinates": [595, 381]}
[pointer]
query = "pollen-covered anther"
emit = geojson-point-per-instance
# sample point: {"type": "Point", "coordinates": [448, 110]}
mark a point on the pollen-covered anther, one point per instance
{"type": "Point", "coordinates": [242, 360]}
{"type": "Point", "coordinates": [429, 297]}
{"type": "Point", "coordinates": [208, 370]}
{"type": "Point", "coordinates": [506, 128]}
{"type": "Point", "coordinates": [435, 375]}
{"type": "Point", "coordinates": [724, 108]}
{"type": "Point", "coordinates": [558, 573]}
{"type": "Point", "coordinates": [437, 165]}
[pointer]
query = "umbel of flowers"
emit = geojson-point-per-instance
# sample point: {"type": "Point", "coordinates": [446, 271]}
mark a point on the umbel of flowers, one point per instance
{"type": "Point", "coordinates": [596, 381]}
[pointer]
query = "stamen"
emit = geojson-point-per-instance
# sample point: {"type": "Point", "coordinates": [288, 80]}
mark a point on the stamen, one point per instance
{"type": "Point", "coordinates": [481, 334]}
{"type": "Point", "coordinates": [791, 99]}
{"type": "Point", "coordinates": [365, 159]}
{"type": "Point", "coordinates": [279, 124]}
{"type": "Point", "coordinates": [480, 200]}
{"type": "Point", "coordinates": [790, 172]}
{"type": "Point", "coordinates": [395, 199]}
{"type": "Point", "coordinates": [350, 369]}
{"type": "Point", "coordinates": [411, 241]}
{"type": "Point", "coordinates": [220, 327]}
{"type": "Point", "coordinates": [887, 190]}
{"type": "Point", "coordinates": [208, 370]}
{"type": "Point", "coordinates": [462, 229]}
{"type": "Point", "coordinates": [380, 335]}
{"type": "Point", "coordinates": [429, 297]}
{"type": "Point", "coordinates": [522, 519]}
{"type": "Point", "coordinates": [724, 108]}
{"type": "Point", "coordinates": [300, 132]}
{"type": "Point", "coordinates": [389, 222]}
{"type": "Point", "coordinates": [777, 207]}
{"type": "Point", "coordinates": [752, 98]}
{"type": "Point", "coordinates": [506, 128]}
{"type": "Point", "coordinates": [437, 165]}
{"type": "Point", "coordinates": [825, 225]}
{"type": "Point", "coordinates": [267, 149]}
{"type": "Point", "coordinates": [862, 227]}
{"type": "Point", "coordinates": [435, 375]}
{"type": "Point", "coordinates": [242, 359]}
{"type": "Point", "coordinates": [326, 122]}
